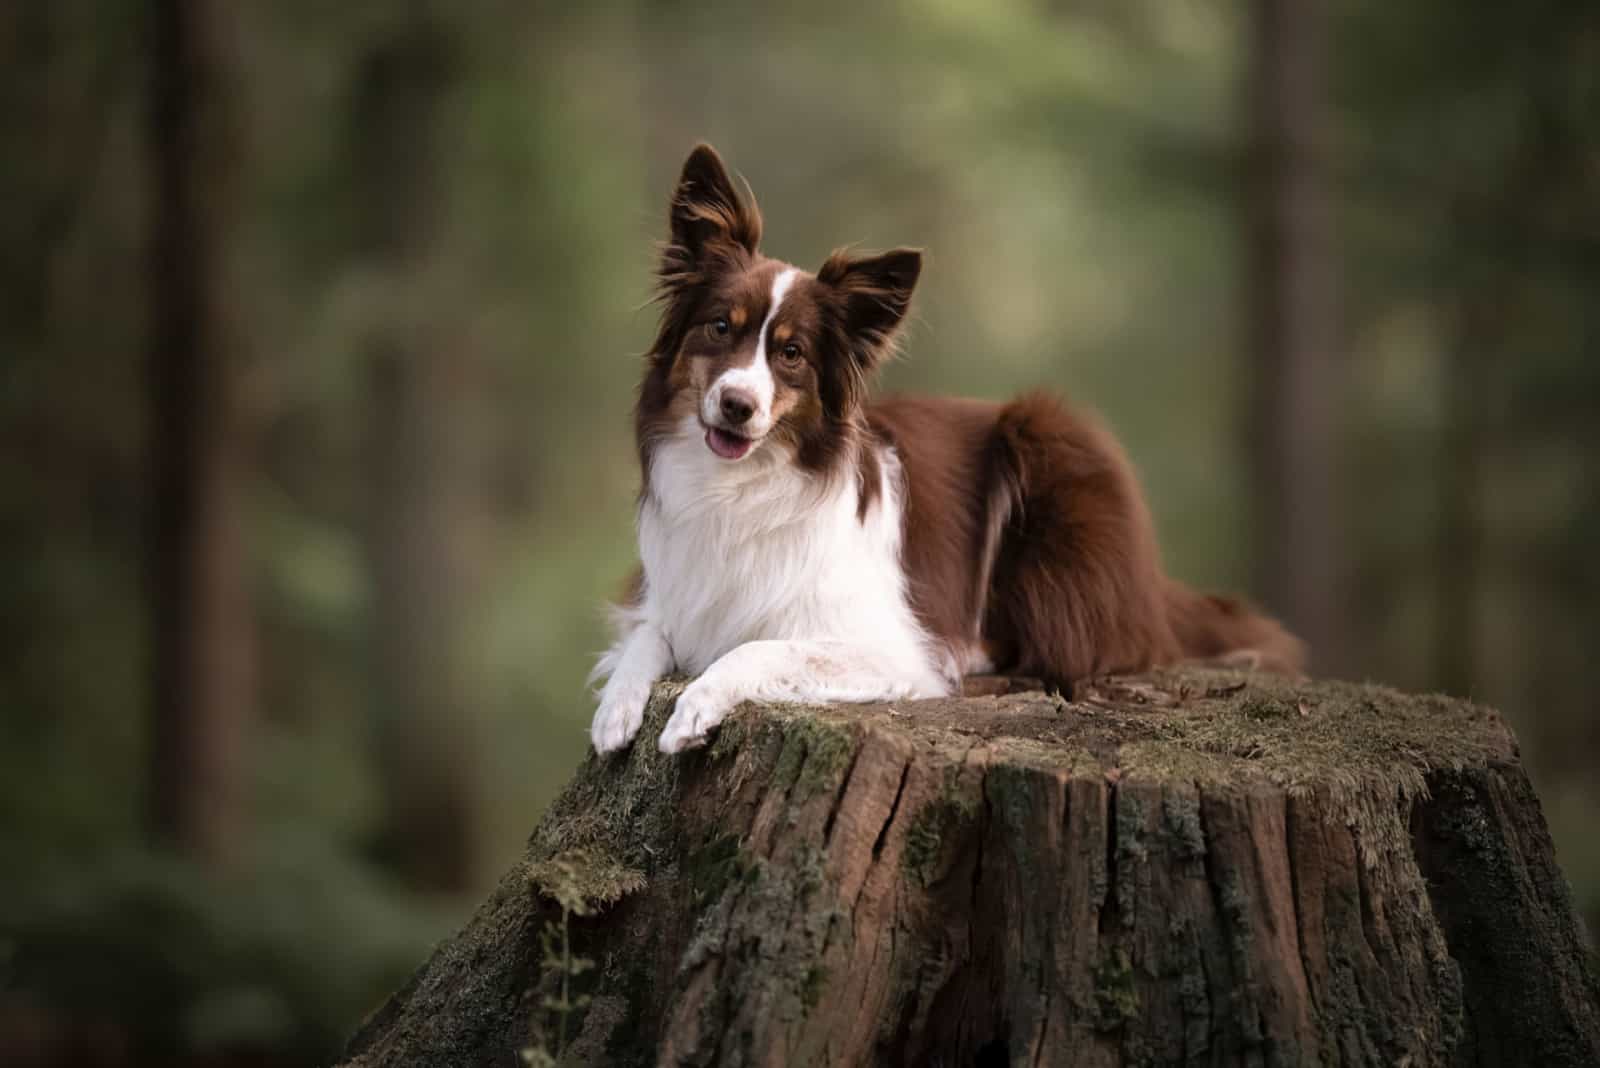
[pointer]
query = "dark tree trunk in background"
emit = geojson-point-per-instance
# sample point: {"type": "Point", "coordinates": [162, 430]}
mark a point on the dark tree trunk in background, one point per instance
{"type": "Point", "coordinates": [201, 627]}
{"type": "Point", "coordinates": [1459, 557]}
{"type": "Point", "coordinates": [1290, 290]}
{"type": "Point", "coordinates": [419, 456]}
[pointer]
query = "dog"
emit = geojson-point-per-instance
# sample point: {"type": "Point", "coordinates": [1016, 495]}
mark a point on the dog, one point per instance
{"type": "Point", "coordinates": [800, 541]}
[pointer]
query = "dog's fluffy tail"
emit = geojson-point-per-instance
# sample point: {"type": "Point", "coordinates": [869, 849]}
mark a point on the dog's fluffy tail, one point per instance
{"type": "Point", "coordinates": [1229, 631]}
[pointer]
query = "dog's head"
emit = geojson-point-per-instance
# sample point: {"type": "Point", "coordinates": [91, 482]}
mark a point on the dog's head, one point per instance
{"type": "Point", "coordinates": [752, 354]}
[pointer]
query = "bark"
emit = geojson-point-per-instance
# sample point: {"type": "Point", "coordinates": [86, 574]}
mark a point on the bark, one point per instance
{"type": "Point", "coordinates": [1192, 867]}
{"type": "Point", "coordinates": [202, 641]}
{"type": "Point", "coordinates": [1290, 289]}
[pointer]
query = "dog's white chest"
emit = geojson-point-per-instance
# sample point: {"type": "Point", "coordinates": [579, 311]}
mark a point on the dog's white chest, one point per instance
{"type": "Point", "coordinates": [739, 553]}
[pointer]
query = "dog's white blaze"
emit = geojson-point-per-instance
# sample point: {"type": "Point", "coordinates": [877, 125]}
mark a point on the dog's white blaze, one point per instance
{"type": "Point", "coordinates": [756, 376]}
{"type": "Point", "coordinates": [762, 578]}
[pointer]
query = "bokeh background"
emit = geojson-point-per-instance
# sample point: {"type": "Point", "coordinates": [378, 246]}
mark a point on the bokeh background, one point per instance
{"type": "Point", "coordinates": [319, 326]}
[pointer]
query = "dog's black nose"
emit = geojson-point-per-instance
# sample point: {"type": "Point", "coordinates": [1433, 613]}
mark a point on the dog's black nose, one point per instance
{"type": "Point", "coordinates": [737, 406]}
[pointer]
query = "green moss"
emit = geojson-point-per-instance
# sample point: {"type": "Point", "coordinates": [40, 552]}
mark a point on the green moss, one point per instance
{"type": "Point", "coordinates": [777, 919]}
{"type": "Point", "coordinates": [620, 805]}
{"type": "Point", "coordinates": [1236, 910]}
{"type": "Point", "coordinates": [924, 838]}
{"type": "Point", "coordinates": [1130, 817]}
{"type": "Point", "coordinates": [584, 879]}
{"type": "Point", "coordinates": [1180, 820]}
{"type": "Point", "coordinates": [1047, 755]}
{"type": "Point", "coordinates": [790, 760]}
{"type": "Point", "coordinates": [1010, 791]}
{"type": "Point", "coordinates": [1193, 992]}
{"type": "Point", "coordinates": [812, 985]}
{"type": "Point", "coordinates": [926, 834]}
{"type": "Point", "coordinates": [828, 750]}
{"type": "Point", "coordinates": [1132, 852]}
{"type": "Point", "coordinates": [1012, 794]}
{"type": "Point", "coordinates": [1469, 823]}
{"type": "Point", "coordinates": [1261, 707]}
{"type": "Point", "coordinates": [1116, 998]}
{"type": "Point", "coordinates": [631, 1041]}
{"type": "Point", "coordinates": [716, 864]}
{"type": "Point", "coordinates": [730, 738]}
{"type": "Point", "coordinates": [1337, 736]}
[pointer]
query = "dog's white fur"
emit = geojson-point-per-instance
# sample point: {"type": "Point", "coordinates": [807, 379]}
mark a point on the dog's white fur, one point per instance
{"type": "Point", "coordinates": [764, 581]}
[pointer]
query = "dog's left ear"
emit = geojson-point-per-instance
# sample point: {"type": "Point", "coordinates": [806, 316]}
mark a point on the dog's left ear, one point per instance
{"type": "Point", "coordinates": [875, 292]}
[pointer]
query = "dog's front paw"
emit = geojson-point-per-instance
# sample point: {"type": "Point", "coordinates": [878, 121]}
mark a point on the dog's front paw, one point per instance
{"type": "Point", "coordinates": [617, 719]}
{"type": "Point", "coordinates": [699, 708]}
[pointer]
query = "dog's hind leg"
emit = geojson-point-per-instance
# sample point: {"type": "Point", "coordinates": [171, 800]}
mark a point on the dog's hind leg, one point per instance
{"type": "Point", "coordinates": [1077, 588]}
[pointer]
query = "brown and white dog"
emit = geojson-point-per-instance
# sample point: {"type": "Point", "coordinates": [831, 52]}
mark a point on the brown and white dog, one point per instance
{"type": "Point", "coordinates": [800, 542]}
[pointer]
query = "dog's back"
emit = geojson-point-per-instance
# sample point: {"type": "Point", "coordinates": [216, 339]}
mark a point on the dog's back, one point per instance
{"type": "Point", "coordinates": [1027, 537]}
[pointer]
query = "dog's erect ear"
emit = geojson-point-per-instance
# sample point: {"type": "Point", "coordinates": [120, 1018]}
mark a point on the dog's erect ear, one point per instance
{"type": "Point", "coordinates": [712, 226]}
{"type": "Point", "coordinates": [709, 217]}
{"type": "Point", "coordinates": [875, 292]}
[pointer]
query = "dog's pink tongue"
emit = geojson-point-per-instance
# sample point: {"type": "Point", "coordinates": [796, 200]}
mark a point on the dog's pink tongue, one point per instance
{"type": "Point", "coordinates": [726, 445]}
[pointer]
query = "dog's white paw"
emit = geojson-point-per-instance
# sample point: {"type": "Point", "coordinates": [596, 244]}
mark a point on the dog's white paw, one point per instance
{"type": "Point", "coordinates": [700, 708]}
{"type": "Point", "coordinates": [617, 719]}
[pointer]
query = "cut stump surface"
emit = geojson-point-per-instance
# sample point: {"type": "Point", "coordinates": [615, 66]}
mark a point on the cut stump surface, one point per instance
{"type": "Point", "coordinates": [1192, 867]}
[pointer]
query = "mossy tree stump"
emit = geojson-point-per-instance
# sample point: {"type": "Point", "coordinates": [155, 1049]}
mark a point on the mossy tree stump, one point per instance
{"type": "Point", "coordinates": [1184, 868]}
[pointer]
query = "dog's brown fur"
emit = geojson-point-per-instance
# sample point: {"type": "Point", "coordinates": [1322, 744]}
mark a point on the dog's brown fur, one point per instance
{"type": "Point", "coordinates": [1026, 532]}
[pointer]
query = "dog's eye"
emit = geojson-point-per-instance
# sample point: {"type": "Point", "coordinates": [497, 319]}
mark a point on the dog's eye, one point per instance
{"type": "Point", "coordinates": [719, 327]}
{"type": "Point", "coordinates": [790, 353]}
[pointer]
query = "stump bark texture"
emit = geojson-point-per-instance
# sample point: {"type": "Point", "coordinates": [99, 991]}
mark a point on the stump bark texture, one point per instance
{"type": "Point", "coordinates": [1192, 867]}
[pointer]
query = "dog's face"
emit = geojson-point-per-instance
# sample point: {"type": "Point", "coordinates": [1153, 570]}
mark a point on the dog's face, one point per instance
{"type": "Point", "coordinates": [755, 355]}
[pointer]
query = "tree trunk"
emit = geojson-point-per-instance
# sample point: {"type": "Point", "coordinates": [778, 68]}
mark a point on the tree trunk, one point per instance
{"type": "Point", "coordinates": [419, 484]}
{"type": "Point", "coordinates": [1191, 867]}
{"type": "Point", "coordinates": [1289, 287]}
{"type": "Point", "coordinates": [1458, 544]}
{"type": "Point", "coordinates": [201, 637]}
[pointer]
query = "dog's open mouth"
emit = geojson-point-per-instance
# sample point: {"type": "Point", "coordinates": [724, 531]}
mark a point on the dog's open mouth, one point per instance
{"type": "Point", "coordinates": [726, 444]}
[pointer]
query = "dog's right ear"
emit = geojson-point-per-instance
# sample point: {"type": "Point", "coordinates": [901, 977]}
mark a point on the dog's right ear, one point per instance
{"type": "Point", "coordinates": [712, 226]}
{"type": "Point", "coordinates": [709, 217]}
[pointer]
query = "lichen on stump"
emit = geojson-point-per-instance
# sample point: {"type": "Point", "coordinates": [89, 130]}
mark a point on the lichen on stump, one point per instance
{"type": "Point", "coordinates": [1188, 867]}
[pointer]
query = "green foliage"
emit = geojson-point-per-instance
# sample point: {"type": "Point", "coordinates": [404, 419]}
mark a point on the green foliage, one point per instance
{"type": "Point", "coordinates": [279, 957]}
{"type": "Point", "coordinates": [1469, 225]}
{"type": "Point", "coordinates": [570, 879]}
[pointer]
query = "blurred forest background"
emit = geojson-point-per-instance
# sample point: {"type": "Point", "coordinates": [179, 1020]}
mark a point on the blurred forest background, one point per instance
{"type": "Point", "coordinates": [319, 326]}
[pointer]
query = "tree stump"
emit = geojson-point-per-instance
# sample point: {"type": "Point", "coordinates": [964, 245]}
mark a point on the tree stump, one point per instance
{"type": "Point", "coordinates": [1186, 867]}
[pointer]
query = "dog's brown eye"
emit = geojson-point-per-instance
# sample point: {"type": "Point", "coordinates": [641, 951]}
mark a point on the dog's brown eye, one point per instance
{"type": "Point", "coordinates": [719, 327]}
{"type": "Point", "coordinates": [790, 353]}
